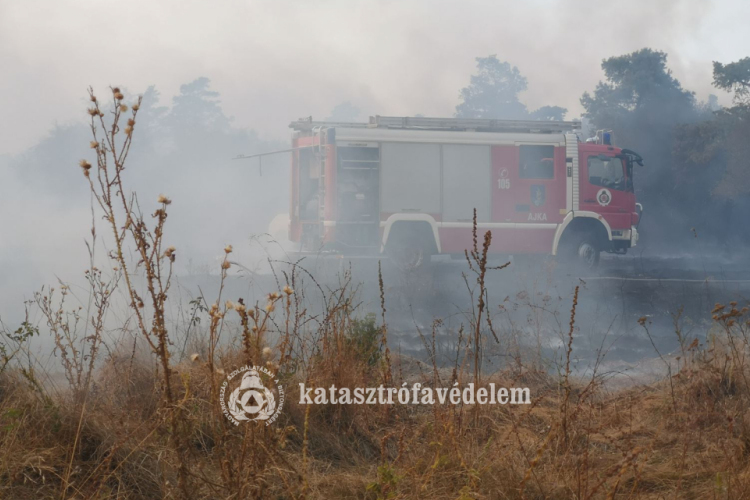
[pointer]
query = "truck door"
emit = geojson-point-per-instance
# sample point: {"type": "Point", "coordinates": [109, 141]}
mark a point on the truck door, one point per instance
{"type": "Point", "coordinates": [605, 189]}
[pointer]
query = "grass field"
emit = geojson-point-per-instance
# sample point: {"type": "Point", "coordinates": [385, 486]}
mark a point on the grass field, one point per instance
{"type": "Point", "coordinates": [131, 421]}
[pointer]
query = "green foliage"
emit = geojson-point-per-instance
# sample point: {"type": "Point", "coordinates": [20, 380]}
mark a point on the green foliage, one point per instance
{"type": "Point", "coordinates": [643, 103]}
{"type": "Point", "coordinates": [720, 145]}
{"type": "Point", "coordinates": [637, 84]}
{"type": "Point", "coordinates": [24, 332]}
{"type": "Point", "coordinates": [198, 105]}
{"type": "Point", "coordinates": [385, 486]}
{"type": "Point", "coordinates": [555, 113]}
{"type": "Point", "coordinates": [18, 337]}
{"type": "Point", "coordinates": [734, 77]}
{"type": "Point", "coordinates": [10, 419]}
{"type": "Point", "coordinates": [698, 145]}
{"type": "Point", "coordinates": [365, 337]}
{"type": "Point", "coordinates": [344, 112]}
{"type": "Point", "coordinates": [493, 93]}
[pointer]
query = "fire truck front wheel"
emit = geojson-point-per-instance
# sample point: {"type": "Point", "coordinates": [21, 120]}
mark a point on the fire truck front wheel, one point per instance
{"type": "Point", "coordinates": [582, 251]}
{"type": "Point", "coordinates": [588, 254]}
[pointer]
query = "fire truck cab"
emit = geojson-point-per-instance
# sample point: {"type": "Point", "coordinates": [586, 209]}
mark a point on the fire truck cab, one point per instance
{"type": "Point", "coordinates": [409, 186]}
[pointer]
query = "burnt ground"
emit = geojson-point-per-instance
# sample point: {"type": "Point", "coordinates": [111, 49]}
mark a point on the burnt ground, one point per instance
{"type": "Point", "coordinates": [530, 303]}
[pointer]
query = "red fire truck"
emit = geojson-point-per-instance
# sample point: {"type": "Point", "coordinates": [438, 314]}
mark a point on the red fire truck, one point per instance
{"type": "Point", "coordinates": [408, 187]}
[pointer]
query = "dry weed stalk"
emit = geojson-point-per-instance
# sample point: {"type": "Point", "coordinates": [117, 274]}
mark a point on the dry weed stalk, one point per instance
{"type": "Point", "coordinates": [477, 262]}
{"type": "Point", "coordinates": [111, 144]}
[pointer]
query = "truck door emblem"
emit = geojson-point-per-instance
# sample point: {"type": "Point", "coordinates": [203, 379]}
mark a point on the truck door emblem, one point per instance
{"type": "Point", "coordinates": [538, 196]}
{"type": "Point", "coordinates": [603, 197]}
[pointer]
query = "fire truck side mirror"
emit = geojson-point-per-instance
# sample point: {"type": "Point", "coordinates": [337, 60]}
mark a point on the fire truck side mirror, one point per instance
{"type": "Point", "coordinates": [634, 157]}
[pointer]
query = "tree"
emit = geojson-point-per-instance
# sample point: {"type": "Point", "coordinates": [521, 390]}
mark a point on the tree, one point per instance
{"type": "Point", "coordinates": [151, 113]}
{"type": "Point", "coordinates": [198, 107]}
{"type": "Point", "coordinates": [188, 148]}
{"type": "Point", "coordinates": [493, 91]}
{"type": "Point", "coordinates": [344, 112]}
{"type": "Point", "coordinates": [734, 77]}
{"type": "Point", "coordinates": [638, 86]}
{"type": "Point", "coordinates": [720, 145]}
{"type": "Point", "coordinates": [643, 103]}
{"type": "Point", "coordinates": [555, 113]}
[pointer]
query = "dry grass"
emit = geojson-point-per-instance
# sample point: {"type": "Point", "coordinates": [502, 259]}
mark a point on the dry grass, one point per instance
{"type": "Point", "coordinates": [133, 423]}
{"type": "Point", "coordinates": [683, 438]}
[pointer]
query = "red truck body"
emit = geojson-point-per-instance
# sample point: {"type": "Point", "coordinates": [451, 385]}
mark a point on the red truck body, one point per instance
{"type": "Point", "coordinates": [362, 188]}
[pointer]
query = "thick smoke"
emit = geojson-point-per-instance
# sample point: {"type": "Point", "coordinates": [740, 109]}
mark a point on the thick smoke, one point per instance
{"type": "Point", "coordinates": [277, 61]}
{"type": "Point", "coordinates": [183, 150]}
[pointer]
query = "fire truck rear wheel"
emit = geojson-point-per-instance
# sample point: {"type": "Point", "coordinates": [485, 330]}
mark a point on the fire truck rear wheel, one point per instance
{"type": "Point", "coordinates": [407, 253]}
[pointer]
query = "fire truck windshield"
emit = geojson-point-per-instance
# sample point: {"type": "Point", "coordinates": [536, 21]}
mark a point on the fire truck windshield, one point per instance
{"type": "Point", "coordinates": [607, 171]}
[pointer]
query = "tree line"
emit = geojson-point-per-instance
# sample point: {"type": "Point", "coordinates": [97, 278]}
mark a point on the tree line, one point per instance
{"type": "Point", "coordinates": [697, 180]}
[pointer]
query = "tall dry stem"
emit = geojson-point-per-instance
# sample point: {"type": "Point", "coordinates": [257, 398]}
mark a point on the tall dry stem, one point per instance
{"type": "Point", "coordinates": [111, 144]}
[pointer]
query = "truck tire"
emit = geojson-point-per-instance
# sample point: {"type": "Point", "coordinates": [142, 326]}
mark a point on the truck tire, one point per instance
{"type": "Point", "coordinates": [407, 252]}
{"type": "Point", "coordinates": [588, 253]}
{"type": "Point", "coordinates": [581, 251]}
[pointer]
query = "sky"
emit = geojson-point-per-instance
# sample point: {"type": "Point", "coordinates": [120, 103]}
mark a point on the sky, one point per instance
{"type": "Point", "coordinates": [275, 61]}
